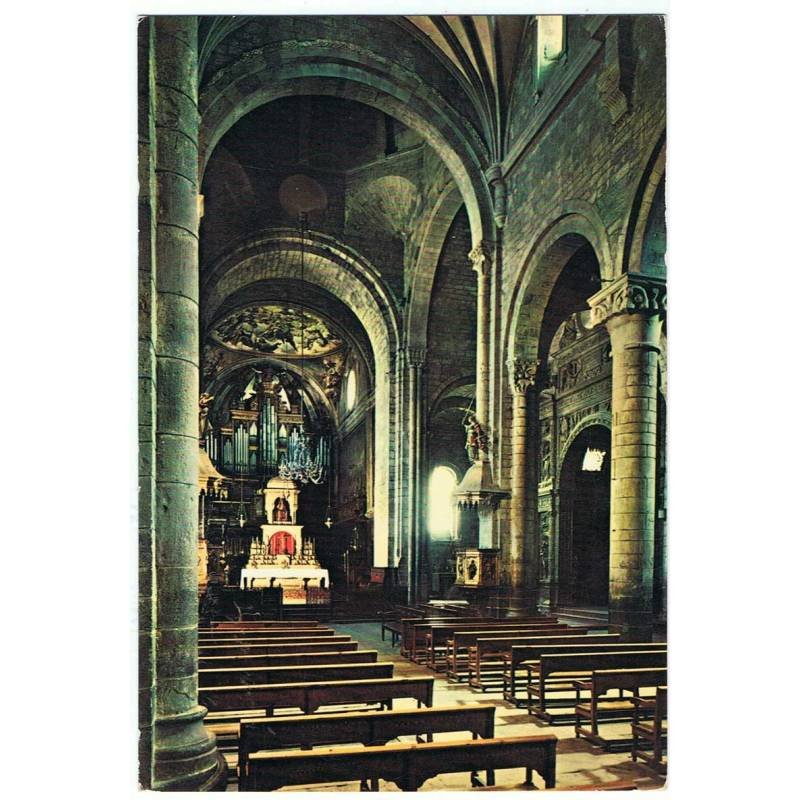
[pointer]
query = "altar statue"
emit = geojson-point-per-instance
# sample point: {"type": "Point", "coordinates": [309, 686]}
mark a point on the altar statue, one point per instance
{"type": "Point", "coordinates": [281, 511]}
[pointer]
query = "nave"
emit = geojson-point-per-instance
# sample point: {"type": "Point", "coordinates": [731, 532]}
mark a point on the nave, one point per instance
{"type": "Point", "coordinates": [363, 661]}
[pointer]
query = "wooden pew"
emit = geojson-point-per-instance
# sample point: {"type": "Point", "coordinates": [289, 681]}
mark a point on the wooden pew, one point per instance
{"type": "Point", "coordinates": [440, 636]}
{"type": "Point", "coordinates": [308, 697]}
{"type": "Point", "coordinates": [289, 659]}
{"type": "Point", "coordinates": [462, 641]}
{"type": "Point", "coordinates": [421, 629]}
{"type": "Point", "coordinates": [339, 643]}
{"type": "Point", "coordinates": [556, 672]}
{"type": "Point", "coordinates": [244, 676]}
{"type": "Point", "coordinates": [245, 625]}
{"type": "Point", "coordinates": [408, 637]}
{"type": "Point", "coordinates": [272, 633]}
{"type": "Point", "coordinates": [375, 728]}
{"type": "Point", "coordinates": [600, 707]}
{"type": "Point", "coordinates": [514, 653]}
{"type": "Point", "coordinates": [406, 765]}
{"type": "Point", "coordinates": [479, 659]}
{"type": "Point", "coordinates": [651, 732]}
{"type": "Point", "coordinates": [391, 620]}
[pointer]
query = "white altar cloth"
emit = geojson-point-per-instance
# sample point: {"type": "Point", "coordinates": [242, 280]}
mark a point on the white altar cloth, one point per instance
{"type": "Point", "coordinates": [292, 579]}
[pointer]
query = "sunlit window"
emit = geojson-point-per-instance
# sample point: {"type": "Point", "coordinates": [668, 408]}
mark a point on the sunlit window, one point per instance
{"type": "Point", "coordinates": [549, 41]}
{"type": "Point", "coordinates": [593, 459]}
{"type": "Point", "coordinates": [440, 509]}
{"type": "Point", "coordinates": [350, 391]}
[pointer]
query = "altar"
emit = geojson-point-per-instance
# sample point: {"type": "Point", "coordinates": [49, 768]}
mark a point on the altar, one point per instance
{"type": "Point", "coordinates": [293, 580]}
{"type": "Point", "coordinates": [281, 556]}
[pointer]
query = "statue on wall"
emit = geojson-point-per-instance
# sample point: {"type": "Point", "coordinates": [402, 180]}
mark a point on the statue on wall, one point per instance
{"type": "Point", "coordinates": [204, 403]}
{"type": "Point", "coordinates": [477, 441]}
{"type": "Point", "coordinates": [544, 557]}
{"type": "Point", "coordinates": [544, 473]}
{"type": "Point", "coordinates": [333, 379]}
{"type": "Point", "coordinates": [281, 511]}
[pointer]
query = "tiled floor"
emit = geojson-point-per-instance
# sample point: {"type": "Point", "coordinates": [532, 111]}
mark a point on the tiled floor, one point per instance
{"type": "Point", "coordinates": [578, 762]}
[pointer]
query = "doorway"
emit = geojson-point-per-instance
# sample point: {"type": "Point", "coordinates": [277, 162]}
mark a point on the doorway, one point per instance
{"type": "Point", "coordinates": [585, 500]}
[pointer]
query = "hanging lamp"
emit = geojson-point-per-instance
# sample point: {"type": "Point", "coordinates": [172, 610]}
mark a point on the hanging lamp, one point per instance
{"type": "Point", "coordinates": [300, 194]}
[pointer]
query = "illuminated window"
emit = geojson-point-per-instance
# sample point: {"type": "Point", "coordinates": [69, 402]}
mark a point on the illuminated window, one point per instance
{"type": "Point", "coordinates": [440, 509]}
{"type": "Point", "coordinates": [549, 42]}
{"type": "Point", "coordinates": [350, 395]}
{"type": "Point", "coordinates": [593, 459]}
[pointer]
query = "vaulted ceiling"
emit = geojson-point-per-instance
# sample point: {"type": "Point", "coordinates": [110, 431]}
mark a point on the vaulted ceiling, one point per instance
{"type": "Point", "coordinates": [479, 51]}
{"type": "Point", "coordinates": [483, 50]}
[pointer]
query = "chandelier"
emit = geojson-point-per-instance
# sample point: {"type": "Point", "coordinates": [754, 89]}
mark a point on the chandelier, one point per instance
{"type": "Point", "coordinates": [300, 464]}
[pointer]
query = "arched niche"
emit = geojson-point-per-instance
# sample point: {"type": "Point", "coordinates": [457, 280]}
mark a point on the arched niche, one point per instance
{"type": "Point", "coordinates": [584, 514]}
{"type": "Point", "coordinates": [537, 280]}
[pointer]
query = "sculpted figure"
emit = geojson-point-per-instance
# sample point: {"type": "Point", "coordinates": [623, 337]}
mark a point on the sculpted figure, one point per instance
{"type": "Point", "coordinates": [280, 510]}
{"type": "Point", "coordinates": [476, 438]}
{"type": "Point", "coordinates": [204, 403]}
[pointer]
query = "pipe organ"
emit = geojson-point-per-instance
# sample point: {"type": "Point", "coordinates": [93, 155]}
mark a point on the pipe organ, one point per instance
{"type": "Point", "coordinates": [258, 430]}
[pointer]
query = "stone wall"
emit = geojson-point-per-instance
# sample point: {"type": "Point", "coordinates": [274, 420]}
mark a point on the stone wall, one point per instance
{"type": "Point", "coordinates": [582, 156]}
{"type": "Point", "coordinates": [452, 318]}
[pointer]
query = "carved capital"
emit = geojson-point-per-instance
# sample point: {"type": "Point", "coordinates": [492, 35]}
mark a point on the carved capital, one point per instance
{"type": "Point", "coordinates": [524, 374]}
{"type": "Point", "coordinates": [631, 293]}
{"type": "Point", "coordinates": [481, 258]}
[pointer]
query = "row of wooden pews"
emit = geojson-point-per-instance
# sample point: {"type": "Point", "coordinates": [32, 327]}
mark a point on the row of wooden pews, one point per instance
{"type": "Point", "coordinates": [581, 675]}
{"type": "Point", "coordinates": [265, 686]}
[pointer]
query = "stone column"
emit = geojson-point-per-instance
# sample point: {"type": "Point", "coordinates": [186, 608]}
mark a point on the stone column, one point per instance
{"type": "Point", "coordinates": [185, 756]}
{"type": "Point", "coordinates": [521, 561]}
{"type": "Point", "coordinates": [147, 404]}
{"type": "Point", "coordinates": [631, 309]}
{"type": "Point", "coordinates": [481, 258]}
{"type": "Point", "coordinates": [415, 358]}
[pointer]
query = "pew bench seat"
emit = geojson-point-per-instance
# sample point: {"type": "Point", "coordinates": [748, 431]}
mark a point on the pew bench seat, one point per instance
{"type": "Point", "coordinates": [601, 708]}
{"type": "Point", "coordinates": [406, 765]}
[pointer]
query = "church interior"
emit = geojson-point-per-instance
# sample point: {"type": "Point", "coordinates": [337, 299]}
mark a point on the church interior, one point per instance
{"type": "Point", "coordinates": [402, 403]}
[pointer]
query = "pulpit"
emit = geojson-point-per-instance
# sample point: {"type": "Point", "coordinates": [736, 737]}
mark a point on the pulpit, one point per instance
{"type": "Point", "coordinates": [477, 568]}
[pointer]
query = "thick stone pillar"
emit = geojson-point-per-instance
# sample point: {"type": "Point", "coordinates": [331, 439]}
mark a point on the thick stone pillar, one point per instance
{"type": "Point", "coordinates": [521, 563]}
{"type": "Point", "coordinates": [631, 309]}
{"type": "Point", "coordinates": [185, 756]}
{"type": "Point", "coordinates": [147, 404]}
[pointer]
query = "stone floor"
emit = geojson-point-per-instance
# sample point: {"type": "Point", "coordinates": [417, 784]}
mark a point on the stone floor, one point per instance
{"type": "Point", "coordinates": [578, 762]}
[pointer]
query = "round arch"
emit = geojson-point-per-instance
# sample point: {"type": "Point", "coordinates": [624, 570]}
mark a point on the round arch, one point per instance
{"type": "Point", "coordinates": [584, 519]}
{"type": "Point", "coordinates": [275, 254]}
{"type": "Point", "coordinates": [652, 175]}
{"type": "Point", "coordinates": [551, 251]}
{"type": "Point", "coordinates": [318, 397]}
{"type": "Point", "coordinates": [601, 419]}
{"type": "Point", "coordinates": [342, 69]}
{"type": "Point", "coordinates": [436, 229]}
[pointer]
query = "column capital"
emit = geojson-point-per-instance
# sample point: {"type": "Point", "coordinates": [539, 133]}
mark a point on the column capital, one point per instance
{"type": "Point", "coordinates": [481, 257]}
{"type": "Point", "coordinates": [524, 374]}
{"type": "Point", "coordinates": [632, 293]}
